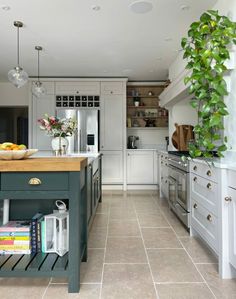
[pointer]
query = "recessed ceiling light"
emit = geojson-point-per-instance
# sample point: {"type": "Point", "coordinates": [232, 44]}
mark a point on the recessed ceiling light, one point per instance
{"type": "Point", "coordinates": [6, 7]}
{"type": "Point", "coordinates": [96, 7]}
{"type": "Point", "coordinates": [140, 6]}
{"type": "Point", "coordinates": [185, 7]}
{"type": "Point", "coordinates": [127, 71]}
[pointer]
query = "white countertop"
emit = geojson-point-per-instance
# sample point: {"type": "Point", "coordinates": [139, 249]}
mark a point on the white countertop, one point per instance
{"type": "Point", "coordinates": [90, 155]}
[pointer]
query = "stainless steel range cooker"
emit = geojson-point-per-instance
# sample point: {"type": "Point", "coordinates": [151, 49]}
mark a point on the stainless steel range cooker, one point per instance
{"type": "Point", "coordinates": [179, 186]}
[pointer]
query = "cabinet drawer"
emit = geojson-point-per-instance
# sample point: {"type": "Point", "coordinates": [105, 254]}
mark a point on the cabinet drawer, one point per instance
{"type": "Point", "coordinates": [81, 88]}
{"type": "Point", "coordinates": [43, 181]}
{"type": "Point", "coordinates": [205, 223]}
{"type": "Point", "coordinates": [112, 88]}
{"type": "Point", "coordinates": [205, 192]}
{"type": "Point", "coordinates": [204, 170]}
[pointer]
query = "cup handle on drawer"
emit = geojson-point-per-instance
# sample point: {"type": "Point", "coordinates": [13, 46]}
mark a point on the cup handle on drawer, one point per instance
{"type": "Point", "coordinates": [208, 173]}
{"type": "Point", "coordinates": [195, 179]}
{"type": "Point", "coordinates": [209, 217]}
{"type": "Point", "coordinates": [228, 198]}
{"type": "Point", "coordinates": [195, 206]}
{"type": "Point", "coordinates": [195, 167]}
{"type": "Point", "coordinates": [209, 186]}
{"type": "Point", "coordinates": [34, 181]}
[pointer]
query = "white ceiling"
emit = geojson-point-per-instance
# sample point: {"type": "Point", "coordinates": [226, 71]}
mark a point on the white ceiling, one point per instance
{"type": "Point", "coordinates": [81, 42]}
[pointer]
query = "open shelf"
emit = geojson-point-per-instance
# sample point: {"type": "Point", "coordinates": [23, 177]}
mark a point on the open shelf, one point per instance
{"type": "Point", "coordinates": [36, 264]}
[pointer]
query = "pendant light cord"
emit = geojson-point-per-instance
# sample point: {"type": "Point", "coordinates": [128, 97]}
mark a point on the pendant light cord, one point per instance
{"type": "Point", "coordinates": [38, 65]}
{"type": "Point", "coordinates": [18, 48]}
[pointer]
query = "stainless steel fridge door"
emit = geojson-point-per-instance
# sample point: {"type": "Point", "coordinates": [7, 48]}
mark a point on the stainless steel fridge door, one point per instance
{"type": "Point", "coordinates": [87, 124]}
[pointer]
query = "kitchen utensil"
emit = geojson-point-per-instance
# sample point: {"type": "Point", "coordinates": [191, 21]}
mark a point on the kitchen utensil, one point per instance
{"type": "Point", "coordinates": [181, 136]}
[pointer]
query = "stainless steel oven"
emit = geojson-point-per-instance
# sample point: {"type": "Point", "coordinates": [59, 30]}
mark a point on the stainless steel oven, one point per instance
{"type": "Point", "coordinates": [178, 176]}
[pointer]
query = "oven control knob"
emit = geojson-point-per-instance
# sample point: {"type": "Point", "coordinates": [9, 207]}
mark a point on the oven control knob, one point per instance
{"type": "Point", "coordinates": [185, 165]}
{"type": "Point", "coordinates": [179, 163]}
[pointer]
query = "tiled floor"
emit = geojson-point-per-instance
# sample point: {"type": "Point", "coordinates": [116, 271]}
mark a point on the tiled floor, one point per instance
{"type": "Point", "coordinates": [137, 250]}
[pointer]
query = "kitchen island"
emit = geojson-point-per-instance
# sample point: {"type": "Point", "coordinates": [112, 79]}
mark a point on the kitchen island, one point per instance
{"type": "Point", "coordinates": [33, 185]}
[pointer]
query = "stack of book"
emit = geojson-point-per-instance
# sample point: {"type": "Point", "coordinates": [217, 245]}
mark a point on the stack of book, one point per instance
{"type": "Point", "coordinates": [15, 238]}
{"type": "Point", "coordinates": [36, 232]}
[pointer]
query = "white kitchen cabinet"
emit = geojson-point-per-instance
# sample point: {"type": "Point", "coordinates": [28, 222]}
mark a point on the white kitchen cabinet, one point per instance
{"type": "Point", "coordinates": [112, 122]}
{"type": "Point", "coordinates": [232, 225]}
{"type": "Point", "coordinates": [204, 199]}
{"type": "Point", "coordinates": [79, 88]}
{"type": "Point", "coordinates": [112, 88]}
{"type": "Point", "coordinates": [112, 167]}
{"type": "Point", "coordinates": [40, 106]}
{"type": "Point", "coordinates": [140, 167]}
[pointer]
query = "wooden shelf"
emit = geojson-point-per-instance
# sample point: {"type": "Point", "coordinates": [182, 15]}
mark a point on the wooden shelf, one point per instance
{"type": "Point", "coordinates": [141, 96]}
{"type": "Point", "coordinates": [144, 107]}
{"type": "Point", "coordinates": [146, 128]}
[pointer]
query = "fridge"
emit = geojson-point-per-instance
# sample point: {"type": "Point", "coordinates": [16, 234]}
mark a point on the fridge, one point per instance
{"type": "Point", "coordinates": [86, 138]}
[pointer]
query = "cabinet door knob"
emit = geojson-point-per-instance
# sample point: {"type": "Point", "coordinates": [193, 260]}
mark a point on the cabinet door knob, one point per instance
{"type": "Point", "coordinates": [195, 179]}
{"type": "Point", "coordinates": [209, 217]}
{"type": "Point", "coordinates": [195, 206]}
{"type": "Point", "coordinates": [208, 173]}
{"type": "Point", "coordinates": [128, 154]}
{"type": "Point", "coordinates": [228, 198]}
{"type": "Point", "coordinates": [77, 91]}
{"type": "Point", "coordinates": [34, 181]}
{"type": "Point", "coordinates": [111, 92]}
{"type": "Point", "coordinates": [209, 186]}
{"type": "Point", "coordinates": [195, 167]}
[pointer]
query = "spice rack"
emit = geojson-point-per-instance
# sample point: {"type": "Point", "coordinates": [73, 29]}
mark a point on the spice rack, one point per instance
{"type": "Point", "coordinates": [146, 113]}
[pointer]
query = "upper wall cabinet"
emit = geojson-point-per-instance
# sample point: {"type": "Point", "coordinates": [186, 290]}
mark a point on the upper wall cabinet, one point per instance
{"type": "Point", "coordinates": [112, 88]}
{"type": "Point", "coordinates": [80, 88]}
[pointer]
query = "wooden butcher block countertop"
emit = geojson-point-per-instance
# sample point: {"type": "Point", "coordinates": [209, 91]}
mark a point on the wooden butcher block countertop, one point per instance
{"type": "Point", "coordinates": [44, 164]}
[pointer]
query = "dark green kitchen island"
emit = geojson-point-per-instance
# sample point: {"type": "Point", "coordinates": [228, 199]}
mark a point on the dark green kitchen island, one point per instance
{"type": "Point", "coordinates": [34, 185]}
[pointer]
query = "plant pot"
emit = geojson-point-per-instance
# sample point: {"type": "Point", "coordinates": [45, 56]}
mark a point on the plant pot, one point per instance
{"type": "Point", "coordinates": [59, 145]}
{"type": "Point", "coordinates": [136, 103]}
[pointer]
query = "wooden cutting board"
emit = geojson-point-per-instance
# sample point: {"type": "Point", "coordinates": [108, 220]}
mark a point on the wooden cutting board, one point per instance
{"type": "Point", "coordinates": [181, 136]}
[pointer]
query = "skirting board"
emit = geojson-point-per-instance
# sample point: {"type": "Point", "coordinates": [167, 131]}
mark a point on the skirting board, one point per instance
{"type": "Point", "coordinates": [130, 187]}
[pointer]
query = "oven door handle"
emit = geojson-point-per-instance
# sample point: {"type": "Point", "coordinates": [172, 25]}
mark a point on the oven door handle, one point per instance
{"type": "Point", "coordinates": [178, 206]}
{"type": "Point", "coordinates": [172, 180]}
{"type": "Point", "coordinates": [177, 170]}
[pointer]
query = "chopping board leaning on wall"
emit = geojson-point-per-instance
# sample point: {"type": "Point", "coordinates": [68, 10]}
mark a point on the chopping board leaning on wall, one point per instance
{"type": "Point", "coordinates": [181, 136]}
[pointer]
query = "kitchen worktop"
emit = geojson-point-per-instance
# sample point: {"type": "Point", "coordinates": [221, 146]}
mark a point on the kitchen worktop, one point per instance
{"type": "Point", "coordinates": [44, 164]}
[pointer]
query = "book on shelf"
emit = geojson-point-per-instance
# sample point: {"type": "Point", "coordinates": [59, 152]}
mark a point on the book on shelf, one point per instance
{"type": "Point", "coordinates": [16, 226]}
{"type": "Point", "coordinates": [14, 242]}
{"type": "Point", "coordinates": [15, 238]}
{"type": "Point", "coordinates": [34, 232]}
{"type": "Point", "coordinates": [14, 234]}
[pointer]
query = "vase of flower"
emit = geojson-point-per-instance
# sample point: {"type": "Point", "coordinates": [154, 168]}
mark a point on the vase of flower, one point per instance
{"type": "Point", "coordinates": [59, 129]}
{"type": "Point", "coordinates": [59, 145]}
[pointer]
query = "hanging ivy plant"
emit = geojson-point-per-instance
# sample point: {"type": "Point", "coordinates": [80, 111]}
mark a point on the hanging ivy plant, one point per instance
{"type": "Point", "coordinates": [206, 49]}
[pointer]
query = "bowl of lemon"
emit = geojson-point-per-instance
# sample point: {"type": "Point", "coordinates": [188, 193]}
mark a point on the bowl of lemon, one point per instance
{"type": "Point", "coordinates": [12, 151]}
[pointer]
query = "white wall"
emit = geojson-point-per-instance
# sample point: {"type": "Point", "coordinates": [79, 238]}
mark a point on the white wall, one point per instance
{"type": "Point", "coordinates": [12, 96]}
{"type": "Point", "coordinates": [149, 138]}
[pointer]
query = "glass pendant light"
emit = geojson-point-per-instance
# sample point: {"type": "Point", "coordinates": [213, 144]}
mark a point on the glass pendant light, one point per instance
{"type": "Point", "coordinates": [38, 88]}
{"type": "Point", "coordinates": [18, 76]}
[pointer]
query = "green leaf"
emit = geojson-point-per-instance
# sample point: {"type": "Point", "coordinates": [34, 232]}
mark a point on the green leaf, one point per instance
{"type": "Point", "coordinates": [215, 119]}
{"type": "Point", "coordinates": [205, 17]}
{"type": "Point", "coordinates": [184, 42]}
{"type": "Point", "coordinates": [222, 148]}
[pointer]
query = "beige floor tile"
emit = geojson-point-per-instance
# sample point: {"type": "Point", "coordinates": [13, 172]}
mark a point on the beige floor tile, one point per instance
{"type": "Point", "coordinates": [100, 220]}
{"type": "Point", "coordinates": [123, 228]}
{"type": "Point", "coordinates": [97, 237]}
{"type": "Point", "coordinates": [60, 291]}
{"type": "Point", "coordinates": [199, 252]}
{"type": "Point", "coordinates": [127, 282]}
{"type": "Point", "coordinates": [222, 288]}
{"type": "Point", "coordinates": [21, 288]}
{"type": "Point", "coordinates": [172, 265]}
{"type": "Point", "coordinates": [125, 250]}
{"type": "Point", "coordinates": [184, 291]}
{"type": "Point", "coordinates": [122, 213]}
{"type": "Point", "coordinates": [91, 271]}
{"type": "Point", "coordinates": [122, 204]}
{"type": "Point", "coordinates": [176, 224]}
{"type": "Point", "coordinates": [160, 238]}
{"type": "Point", "coordinates": [103, 208]}
{"type": "Point", "coordinates": [152, 220]}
